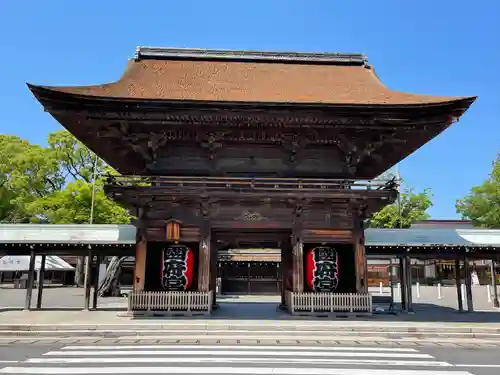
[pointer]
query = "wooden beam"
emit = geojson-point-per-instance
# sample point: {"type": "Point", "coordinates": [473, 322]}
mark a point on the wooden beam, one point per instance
{"type": "Point", "coordinates": [140, 253]}
{"type": "Point", "coordinates": [96, 282]}
{"type": "Point", "coordinates": [41, 276]}
{"type": "Point", "coordinates": [31, 277]}
{"type": "Point", "coordinates": [360, 257]}
{"type": "Point", "coordinates": [468, 285]}
{"type": "Point", "coordinates": [213, 270]}
{"type": "Point", "coordinates": [204, 259]}
{"type": "Point", "coordinates": [458, 284]}
{"type": "Point", "coordinates": [298, 262]}
{"type": "Point", "coordinates": [88, 279]}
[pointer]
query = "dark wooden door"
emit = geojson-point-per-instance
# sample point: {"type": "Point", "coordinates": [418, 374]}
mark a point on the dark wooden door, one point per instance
{"type": "Point", "coordinates": [251, 277]}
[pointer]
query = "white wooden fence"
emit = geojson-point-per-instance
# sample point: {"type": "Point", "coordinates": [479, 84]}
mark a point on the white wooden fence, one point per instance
{"type": "Point", "coordinates": [170, 302]}
{"type": "Point", "coordinates": [355, 303]}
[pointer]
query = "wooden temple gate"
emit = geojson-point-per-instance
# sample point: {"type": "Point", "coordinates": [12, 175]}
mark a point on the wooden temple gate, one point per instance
{"type": "Point", "coordinates": [213, 146]}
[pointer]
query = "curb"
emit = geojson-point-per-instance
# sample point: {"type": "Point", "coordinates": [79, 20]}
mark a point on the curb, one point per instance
{"type": "Point", "coordinates": [174, 333]}
{"type": "Point", "coordinates": [180, 327]}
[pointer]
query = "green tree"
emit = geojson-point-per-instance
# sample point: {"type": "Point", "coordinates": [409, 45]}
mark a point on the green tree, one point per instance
{"type": "Point", "coordinates": [72, 205]}
{"type": "Point", "coordinates": [27, 172]}
{"type": "Point", "coordinates": [53, 185]}
{"type": "Point", "coordinates": [75, 160]}
{"type": "Point", "coordinates": [410, 208]}
{"type": "Point", "coordinates": [482, 204]}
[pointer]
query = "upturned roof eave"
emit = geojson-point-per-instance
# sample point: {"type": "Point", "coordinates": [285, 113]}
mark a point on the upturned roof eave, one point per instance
{"type": "Point", "coordinates": [63, 94]}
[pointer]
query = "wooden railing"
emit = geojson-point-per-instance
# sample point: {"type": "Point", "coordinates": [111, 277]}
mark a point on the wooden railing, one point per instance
{"type": "Point", "coordinates": [329, 303]}
{"type": "Point", "coordinates": [249, 183]}
{"type": "Point", "coordinates": [170, 302]}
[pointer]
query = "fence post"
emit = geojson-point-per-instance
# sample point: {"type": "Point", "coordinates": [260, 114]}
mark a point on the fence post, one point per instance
{"type": "Point", "coordinates": [463, 292]}
{"type": "Point", "coordinates": [399, 289]}
{"type": "Point", "coordinates": [439, 291]}
{"type": "Point", "coordinates": [489, 292]}
{"type": "Point", "coordinates": [381, 287]}
{"type": "Point", "coordinates": [418, 289]}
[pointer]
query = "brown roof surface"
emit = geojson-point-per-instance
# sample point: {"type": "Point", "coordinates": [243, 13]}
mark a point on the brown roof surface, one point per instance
{"type": "Point", "coordinates": [251, 81]}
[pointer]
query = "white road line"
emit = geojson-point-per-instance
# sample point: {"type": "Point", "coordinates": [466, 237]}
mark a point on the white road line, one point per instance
{"type": "Point", "coordinates": [477, 365]}
{"type": "Point", "coordinates": [252, 360]}
{"type": "Point", "coordinates": [2, 361]}
{"type": "Point", "coordinates": [237, 346]}
{"type": "Point", "coordinates": [218, 371]}
{"type": "Point", "coordinates": [268, 353]}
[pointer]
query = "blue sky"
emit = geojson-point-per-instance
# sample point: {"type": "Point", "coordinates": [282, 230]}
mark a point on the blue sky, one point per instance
{"type": "Point", "coordinates": [440, 47]}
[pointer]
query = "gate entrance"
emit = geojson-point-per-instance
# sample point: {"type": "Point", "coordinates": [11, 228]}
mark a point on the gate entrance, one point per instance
{"type": "Point", "coordinates": [250, 277]}
{"type": "Point", "coordinates": [246, 266]}
{"type": "Point", "coordinates": [250, 141]}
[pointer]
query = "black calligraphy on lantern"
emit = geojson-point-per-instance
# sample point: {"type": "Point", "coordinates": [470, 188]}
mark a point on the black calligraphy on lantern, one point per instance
{"type": "Point", "coordinates": [174, 268]}
{"type": "Point", "coordinates": [326, 269]}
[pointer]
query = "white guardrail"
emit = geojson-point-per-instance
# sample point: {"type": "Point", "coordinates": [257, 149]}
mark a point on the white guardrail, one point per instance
{"type": "Point", "coordinates": [170, 302]}
{"type": "Point", "coordinates": [355, 303]}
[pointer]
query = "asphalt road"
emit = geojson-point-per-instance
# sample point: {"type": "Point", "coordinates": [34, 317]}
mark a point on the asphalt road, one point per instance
{"type": "Point", "coordinates": [245, 359]}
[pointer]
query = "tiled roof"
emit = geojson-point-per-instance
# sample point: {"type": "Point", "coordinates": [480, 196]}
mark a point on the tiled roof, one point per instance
{"type": "Point", "coordinates": [125, 234]}
{"type": "Point", "coordinates": [260, 77]}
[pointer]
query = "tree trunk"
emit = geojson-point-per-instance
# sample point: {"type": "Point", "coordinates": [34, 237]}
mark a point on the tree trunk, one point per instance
{"type": "Point", "coordinates": [80, 271]}
{"type": "Point", "coordinates": [110, 284]}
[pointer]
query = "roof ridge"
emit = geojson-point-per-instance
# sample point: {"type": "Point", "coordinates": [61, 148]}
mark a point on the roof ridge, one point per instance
{"type": "Point", "coordinates": [327, 58]}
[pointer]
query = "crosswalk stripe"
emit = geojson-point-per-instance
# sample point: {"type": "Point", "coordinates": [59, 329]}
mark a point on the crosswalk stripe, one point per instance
{"type": "Point", "coordinates": [238, 346]}
{"type": "Point", "coordinates": [266, 353]}
{"type": "Point", "coordinates": [325, 361]}
{"type": "Point", "coordinates": [219, 370]}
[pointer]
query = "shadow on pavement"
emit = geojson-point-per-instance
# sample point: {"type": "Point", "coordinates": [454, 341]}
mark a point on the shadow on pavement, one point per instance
{"type": "Point", "coordinates": [422, 312]}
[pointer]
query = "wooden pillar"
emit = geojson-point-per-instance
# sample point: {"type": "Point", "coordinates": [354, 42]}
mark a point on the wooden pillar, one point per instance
{"type": "Point", "coordinates": [409, 285]}
{"type": "Point", "coordinates": [298, 262]}
{"type": "Point", "coordinates": [41, 276]}
{"type": "Point", "coordinates": [459, 287]}
{"type": "Point", "coordinates": [204, 259]}
{"type": "Point", "coordinates": [283, 275]}
{"type": "Point", "coordinates": [141, 244]}
{"type": "Point", "coordinates": [96, 282]}
{"type": "Point", "coordinates": [31, 278]}
{"type": "Point", "coordinates": [468, 285]}
{"type": "Point", "coordinates": [403, 280]}
{"type": "Point", "coordinates": [496, 302]}
{"type": "Point", "coordinates": [88, 280]}
{"type": "Point", "coordinates": [213, 270]}
{"type": "Point", "coordinates": [360, 257]}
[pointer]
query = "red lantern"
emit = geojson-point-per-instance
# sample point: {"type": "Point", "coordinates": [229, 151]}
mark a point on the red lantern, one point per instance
{"type": "Point", "coordinates": [322, 269]}
{"type": "Point", "coordinates": [177, 268]}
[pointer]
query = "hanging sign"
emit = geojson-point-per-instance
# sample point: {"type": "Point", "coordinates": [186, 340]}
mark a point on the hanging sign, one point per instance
{"type": "Point", "coordinates": [177, 268]}
{"type": "Point", "coordinates": [322, 269]}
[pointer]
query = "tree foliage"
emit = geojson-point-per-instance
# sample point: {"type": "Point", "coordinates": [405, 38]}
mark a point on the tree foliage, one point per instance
{"type": "Point", "coordinates": [53, 185]}
{"type": "Point", "coordinates": [482, 204]}
{"type": "Point", "coordinates": [409, 209]}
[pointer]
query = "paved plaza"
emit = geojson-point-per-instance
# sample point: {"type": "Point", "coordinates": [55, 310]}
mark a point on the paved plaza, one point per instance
{"type": "Point", "coordinates": [424, 298]}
